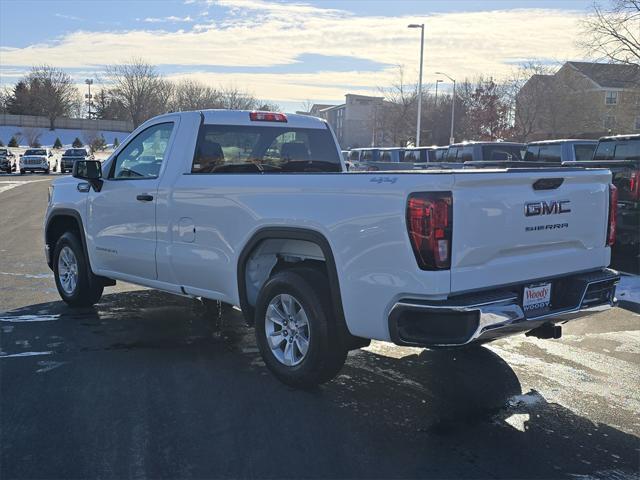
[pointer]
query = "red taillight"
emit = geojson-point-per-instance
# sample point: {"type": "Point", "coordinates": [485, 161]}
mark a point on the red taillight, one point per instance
{"type": "Point", "coordinates": [429, 223]}
{"type": "Point", "coordinates": [613, 220]}
{"type": "Point", "coordinates": [267, 117]}
{"type": "Point", "coordinates": [634, 185]}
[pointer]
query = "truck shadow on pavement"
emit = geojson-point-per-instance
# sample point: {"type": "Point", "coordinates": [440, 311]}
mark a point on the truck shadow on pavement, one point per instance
{"type": "Point", "coordinates": [144, 386]}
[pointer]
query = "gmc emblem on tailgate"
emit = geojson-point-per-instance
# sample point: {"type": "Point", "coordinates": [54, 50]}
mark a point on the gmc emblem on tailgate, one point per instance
{"type": "Point", "coordinates": [534, 209]}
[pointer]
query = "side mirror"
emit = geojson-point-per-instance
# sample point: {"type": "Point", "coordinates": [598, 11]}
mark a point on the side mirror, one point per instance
{"type": "Point", "coordinates": [89, 170]}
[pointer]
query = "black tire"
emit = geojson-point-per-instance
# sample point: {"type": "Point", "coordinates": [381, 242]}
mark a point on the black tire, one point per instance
{"type": "Point", "coordinates": [46, 171]}
{"type": "Point", "coordinates": [88, 289]}
{"type": "Point", "coordinates": [326, 354]}
{"type": "Point", "coordinates": [21, 171]}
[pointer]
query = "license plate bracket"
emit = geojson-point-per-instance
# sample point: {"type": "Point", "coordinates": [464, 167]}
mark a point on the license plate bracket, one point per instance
{"type": "Point", "coordinates": [536, 298]}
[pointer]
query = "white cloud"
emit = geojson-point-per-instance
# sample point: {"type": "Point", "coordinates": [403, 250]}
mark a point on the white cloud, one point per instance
{"type": "Point", "coordinates": [67, 17]}
{"type": "Point", "coordinates": [258, 33]}
{"type": "Point", "coordinates": [170, 19]}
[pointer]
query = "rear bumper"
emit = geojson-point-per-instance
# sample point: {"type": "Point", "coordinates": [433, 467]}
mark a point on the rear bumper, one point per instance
{"type": "Point", "coordinates": [486, 316]}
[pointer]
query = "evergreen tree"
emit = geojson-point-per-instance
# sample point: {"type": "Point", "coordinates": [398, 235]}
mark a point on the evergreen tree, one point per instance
{"type": "Point", "coordinates": [77, 143]}
{"type": "Point", "coordinates": [57, 143]}
{"type": "Point", "coordinates": [13, 143]}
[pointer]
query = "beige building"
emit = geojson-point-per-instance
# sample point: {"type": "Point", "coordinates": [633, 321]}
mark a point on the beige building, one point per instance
{"type": "Point", "coordinates": [581, 100]}
{"type": "Point", "coordinates": [357, 122]}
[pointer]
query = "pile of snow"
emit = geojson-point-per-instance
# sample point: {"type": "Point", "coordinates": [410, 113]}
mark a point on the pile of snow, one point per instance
{"type": "Point", "coordinates": [66, 136]}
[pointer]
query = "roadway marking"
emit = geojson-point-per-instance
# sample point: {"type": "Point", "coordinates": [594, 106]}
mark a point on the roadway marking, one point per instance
{"type": "Point", "coordinates": [9, 184]}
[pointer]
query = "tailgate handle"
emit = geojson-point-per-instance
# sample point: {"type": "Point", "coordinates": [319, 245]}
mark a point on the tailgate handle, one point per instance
{"type": "Point", "coordinates": [547, 183]}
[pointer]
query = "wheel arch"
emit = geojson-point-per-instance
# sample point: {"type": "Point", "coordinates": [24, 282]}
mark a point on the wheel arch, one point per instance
{"type": "Point", "coordinates": [63, 220]}
{"type": "Point", "coordinates": [304, 235]}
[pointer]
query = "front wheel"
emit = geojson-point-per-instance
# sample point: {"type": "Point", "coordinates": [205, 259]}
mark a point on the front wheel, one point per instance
{"type": "Point", "coordinates": [76, 284]}
{"type": "Point", "coordinates": [21, 171]}
{"type": "Point", "coordinates": [295, 328]}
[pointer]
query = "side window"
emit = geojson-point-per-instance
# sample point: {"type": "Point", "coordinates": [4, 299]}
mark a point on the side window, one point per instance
{"type": "Point", "coordinates": [143, 156]}
{"type": "Point", "coordinates": [466, 155]}
{"type": "Point", "coordinates": [410, 157]}
{"type": "Point", "coordinates": [531, 155]}
{"type": "Point", "coordinates": [452, 154]}
{"type": "Point", "coordinates": [353, 155]}
{"type": "Point", "coordinates": [385, 156]}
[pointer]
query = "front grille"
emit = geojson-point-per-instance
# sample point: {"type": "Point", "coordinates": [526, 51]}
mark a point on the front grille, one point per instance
{"type": "Point", "coordinates": [33, 161]}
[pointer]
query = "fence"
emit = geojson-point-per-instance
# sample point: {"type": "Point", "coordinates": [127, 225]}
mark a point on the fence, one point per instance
{"type": "Point", "coordinates": [70, 123]}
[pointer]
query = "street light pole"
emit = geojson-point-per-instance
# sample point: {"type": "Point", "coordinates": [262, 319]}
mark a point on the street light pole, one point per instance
{"type": "Point", "coordinates": [453, 105]}
{"type": "Point", "coordinates": [89, 82]}
{"type": "Point", "coordinates": [435, 102]}
{"type": "Point", "coordinates": [421, 27]}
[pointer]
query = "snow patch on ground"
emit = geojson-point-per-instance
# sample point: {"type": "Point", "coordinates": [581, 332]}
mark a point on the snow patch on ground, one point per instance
{"type": "Point", "coordinates": [629, 288]}
{"type": "Point", "coordinates": [66, 136]}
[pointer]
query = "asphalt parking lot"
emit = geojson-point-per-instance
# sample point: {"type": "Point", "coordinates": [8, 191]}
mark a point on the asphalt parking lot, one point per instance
{"type": "Point", "coordinates": [144, 386]}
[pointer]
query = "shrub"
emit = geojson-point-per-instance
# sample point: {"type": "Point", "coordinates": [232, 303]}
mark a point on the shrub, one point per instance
{"type": "Point", "coordinates": [57, 143]}
{"type": "Point", "coordinates": [77, 143]}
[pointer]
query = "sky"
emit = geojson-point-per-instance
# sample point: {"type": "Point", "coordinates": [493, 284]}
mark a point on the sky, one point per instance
{"type": "Point", "coordinates": [289, 52]}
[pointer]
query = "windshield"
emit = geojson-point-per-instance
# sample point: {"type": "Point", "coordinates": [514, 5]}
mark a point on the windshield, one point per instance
{"type": "Point", "coordinates": [255, 149]}
{"type": "Point", "coordinates": [75, 152]}
{"type": "Point", "coordinates": [618, 150]}
{"type": "Point", "coordinates": [35, 152]}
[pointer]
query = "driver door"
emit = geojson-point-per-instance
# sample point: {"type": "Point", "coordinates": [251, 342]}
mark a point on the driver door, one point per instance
{"type": "Point", "coordinates": [122, 216]}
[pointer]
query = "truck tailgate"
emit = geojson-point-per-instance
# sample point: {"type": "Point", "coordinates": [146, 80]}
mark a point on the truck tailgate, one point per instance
{"type": "Point", "coordinates": [505, 231]}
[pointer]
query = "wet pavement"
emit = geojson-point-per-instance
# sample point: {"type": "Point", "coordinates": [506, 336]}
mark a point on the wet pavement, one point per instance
{"type": "Point", "coordinates": [145, 385]}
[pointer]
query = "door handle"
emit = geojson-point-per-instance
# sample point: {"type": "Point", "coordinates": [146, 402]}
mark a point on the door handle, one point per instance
{"type": "Point", "coordinates": [145, 197]}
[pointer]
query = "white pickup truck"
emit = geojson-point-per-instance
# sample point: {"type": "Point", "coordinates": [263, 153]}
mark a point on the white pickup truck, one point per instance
{"type": "Point", "coordinates": [256, 210]}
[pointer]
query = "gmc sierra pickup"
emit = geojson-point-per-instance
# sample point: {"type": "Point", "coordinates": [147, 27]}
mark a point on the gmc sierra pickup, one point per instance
{"type": "Point", "coordinates": [255, 209]}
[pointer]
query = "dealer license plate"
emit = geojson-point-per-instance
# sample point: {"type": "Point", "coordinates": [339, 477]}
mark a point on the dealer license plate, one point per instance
{"type": "Point", "coordinates": [536, 297]}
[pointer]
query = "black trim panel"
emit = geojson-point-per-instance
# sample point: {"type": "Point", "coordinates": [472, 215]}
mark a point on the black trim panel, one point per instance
{"type": "Point", "coordinates": [290, 233]}
{"type": "Point", "coordinates": [66, 212]}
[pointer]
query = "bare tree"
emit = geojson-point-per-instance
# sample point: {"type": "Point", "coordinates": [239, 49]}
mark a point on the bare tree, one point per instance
{"type": "Point", "coordinates": [32, 136]}
{"type": "Point", "coordinates": [193, 95]}
{"type": "Point", "coordinates": [396, 117]}
{"type": "Point", "coordinates": [140, 89]}
{"type": "Point", "coordinates": [613, 33]}
{"type": "Point", "coordinates": [52, 92]}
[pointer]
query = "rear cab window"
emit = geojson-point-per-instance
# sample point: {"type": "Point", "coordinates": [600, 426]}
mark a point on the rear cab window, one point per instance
{"type": "Point", "coordinates": [259, 149]}
{"type": "Point", "coordinates": [584, 151]}
{"type": "Point", "coordinates": [618, 150]}
{"type": "Point", "coordinates": [550, 153]}
{"type": "Point", "coordinates": [497, 152]}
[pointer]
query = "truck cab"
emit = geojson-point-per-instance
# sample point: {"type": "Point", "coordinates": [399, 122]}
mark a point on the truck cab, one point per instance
{"type": "Point", "coordinates": [256, 210]}
{"type": "Point", "coordinates": [558, 151]}
{"type": "Point", "coordinates": [37, 160]}
{"type": "Point", "coordinates": [70, 156]}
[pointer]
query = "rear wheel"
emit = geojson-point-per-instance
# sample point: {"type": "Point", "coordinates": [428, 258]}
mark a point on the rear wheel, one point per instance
{"type": "Point", "coordinates": [76, 284]}
{"type": "Point", "coordinates": [295, 329]}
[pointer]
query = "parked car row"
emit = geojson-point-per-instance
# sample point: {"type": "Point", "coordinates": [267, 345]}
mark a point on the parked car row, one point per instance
{"type": "Point", "coordinates": [620, 154]}
{"type": "Point", "coordinates": [40, 160]}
